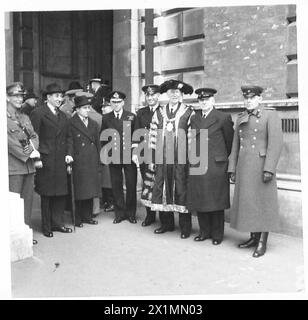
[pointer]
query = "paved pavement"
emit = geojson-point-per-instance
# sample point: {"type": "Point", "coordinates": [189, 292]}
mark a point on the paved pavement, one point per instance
{"type": "Point", "coordinates": [129, 260]}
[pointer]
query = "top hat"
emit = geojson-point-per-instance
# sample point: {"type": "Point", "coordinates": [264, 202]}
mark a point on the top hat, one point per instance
{"type": "Point", "coordinates": [151, 89]}
{"type": "Point", "coordinates": [251, 91]}
{"type": "Point", "coordinates": [204, 93]}
{"type": "Point", "coordinates": [176, 84]}
{"type": "Point", "coordinates": [15, 88]}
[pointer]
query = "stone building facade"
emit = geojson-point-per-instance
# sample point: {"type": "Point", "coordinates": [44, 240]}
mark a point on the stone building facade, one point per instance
{"type": "Point", "coordinates": [220, 47]}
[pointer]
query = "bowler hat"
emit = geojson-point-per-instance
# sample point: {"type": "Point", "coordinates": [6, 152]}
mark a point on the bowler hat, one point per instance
{"type": "Point", "coordinates": [15, 88]}
{"type": "Point", "coordinates": [30, 95]}
{"type": "Point", "coordinates": [205, 93]}
{"type": "Point", "coordinates": [176, 84]}
{"type": "Point", "coordinates": [52, 88]}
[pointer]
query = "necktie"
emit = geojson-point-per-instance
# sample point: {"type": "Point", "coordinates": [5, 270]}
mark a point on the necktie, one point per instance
{"type": "Point", "coordinates": [118, 116]}
{"type": "Point", "coordinates": [85, 121]}
{"type": "Point", "coordinates": [57, 112]}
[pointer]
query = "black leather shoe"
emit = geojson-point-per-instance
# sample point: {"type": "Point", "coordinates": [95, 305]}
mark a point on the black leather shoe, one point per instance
{"type": "Point", "coordinates": [200, 238]}
{"type": "Point", "coordinates": [184, 235]}
{"type": "Point", "coordinates": [118, 220]}
{"type": "Point", "coordinates": [252, 241]}
{"type": "Point", "coordinates": [91, 221]}
{"type": "Point", "coordinates": [132, 220]}
{"type": "Point", "coordinates": [216, 242]}
{"type": "Point", "coordinates": [48, 234]}
{"type": "Point", "coordinates": [34, 242]}
{"type": "Point", "coordinates": [109, 208]}
{"type": "Point", "coordinates": [79, 225]}
{"type": "Point", "coordinates": [163, 230]}
{"type": "Point", "coordinates": [62, 229]}
{"type": "Point", "coordinates": [261, 247]}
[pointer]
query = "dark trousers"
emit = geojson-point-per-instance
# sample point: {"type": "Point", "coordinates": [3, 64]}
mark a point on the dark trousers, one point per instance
{"type": "Point", "coordinates": [52, 211]}
{"type": "Point", "coordinates": [150, 216]}
{"type": "Point", "coordinates": [212, 224]}
{"type": "Point", "coordinates": [185, 222]}
{"type": "Point", "coordinates": [24, 185]}
{"type": "Point", "coordinates": [107, 196]}
{"type": "Point", "coordinates": [166, 219]}
{"type": "Point", "coordinates": [84, 210]}
{"type": "Point", "coordinates": [124, 208]}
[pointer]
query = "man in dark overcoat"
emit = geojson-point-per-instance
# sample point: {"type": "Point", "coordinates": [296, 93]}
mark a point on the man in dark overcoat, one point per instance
{"type": "Point", "coordinates": [84, 148]}
{"type": "Point", "coordinates": [208, 193]}
{"type": "Point", "coordinates": [51, 125]}
{"type": "Point", "coordinates": [122, 122]}
{"type": "Point", "coordinates": [143, 121]}
{"type": "Point", "coordinates": [256, 149]}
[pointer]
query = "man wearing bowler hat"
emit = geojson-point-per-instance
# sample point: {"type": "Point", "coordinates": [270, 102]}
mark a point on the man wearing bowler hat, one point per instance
{"type": "Point", "coordinates": [143, 121]}
{"type": "Point", "coordinates": [22, 145]}
{"type": "Point", "coordinates": [100, 90]}
{"type": "Point", "coordinates": [122, 122]}
{"type": "Point", "coordinates": [84, 148]}
{"type": "Point", "coordinates": [208, 193]}
{"type": "Point", "coordinates": [256, 149]}
{"type": "Point", "coordinates": [51, 125]}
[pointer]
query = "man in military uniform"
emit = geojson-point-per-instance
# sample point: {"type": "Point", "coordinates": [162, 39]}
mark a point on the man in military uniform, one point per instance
{"type": "Point", "coordinates": [51, 125]}
{"type": "Point", "coordinates": [122, 122]}
{"type": "Point", "coordinates": [166, 190]}
{"type": "Point", "coordinates": [22, 144]}
{"type": "Point", "coordinates": [100, 90]}
{"type": "Point", "coordinates": [30, 103]}
{"type": "Point", "coordinates": [208, 193]}
{"type": "Point", "coordinates": [143, 120]}
{"type": "Point", "coordinates": [256, 148]}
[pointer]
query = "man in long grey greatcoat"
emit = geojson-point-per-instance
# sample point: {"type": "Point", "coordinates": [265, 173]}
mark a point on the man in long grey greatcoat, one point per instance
{"type": "Point", "coordinates": [256, 148]}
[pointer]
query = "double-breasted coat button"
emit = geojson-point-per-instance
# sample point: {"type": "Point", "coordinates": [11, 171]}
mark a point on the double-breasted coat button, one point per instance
{"type": "Point", "coordinates": [257, 120]}
{"type": "Point", "coordinates": [254, 138]}
{"type": "Point", "coordinates": [83, 144]}
{"type": "Point", "coordinates": [253, 146]}
{"type": "Point", "coordinates": [256, 130]}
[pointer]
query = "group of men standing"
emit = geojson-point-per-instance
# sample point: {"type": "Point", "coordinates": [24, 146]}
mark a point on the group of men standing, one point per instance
{"type": "Point", "coordinates": [247, 154]}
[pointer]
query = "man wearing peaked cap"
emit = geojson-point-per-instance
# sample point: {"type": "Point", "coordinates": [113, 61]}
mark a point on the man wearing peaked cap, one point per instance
{"type": "Point", "coordinates": [84, 148]}
{"type": "Point", "coordinates": [51, 125]}
{"type": "Point", "coordinates": [143, 121]}
{"type": "Point", "coordinates": [256, 148]}
{"type": "Point", "coordinates": [22, 145]}
{"type": "Point", "coordinates": [100, 90]}
{"type": "Point", "coordinates": [168, 194]}
{"type": "Point", "coordinates": [208, 193]}
{"type": "Point", "coordinates": [122, 123]}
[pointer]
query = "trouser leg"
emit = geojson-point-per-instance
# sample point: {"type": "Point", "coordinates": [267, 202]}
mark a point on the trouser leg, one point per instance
{"type": "Point", "coordinates": [185, 222]}
{"type": "Point", "coordinates": [217, 225]}
{"type": "Point", "coordinates": [46, 214]}
{"type": "Point", "coordinates": [130, 171]}
{"type": "Point", "coordinates": [57, 206]}
{"type": "Point", "coordinates": [117, 190]}
{"type": "Point", "coordinates": [204, 224]}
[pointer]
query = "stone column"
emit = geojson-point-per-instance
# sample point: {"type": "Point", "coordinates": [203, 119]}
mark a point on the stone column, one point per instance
{"type": "Point", "coordinates": [126, 48]}
{"type": "Point", "coordinates": [21, 235]}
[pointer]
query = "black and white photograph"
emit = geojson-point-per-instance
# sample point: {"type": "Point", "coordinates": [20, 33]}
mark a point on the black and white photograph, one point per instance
{"type": "Point", "coordinates": [153, 149]}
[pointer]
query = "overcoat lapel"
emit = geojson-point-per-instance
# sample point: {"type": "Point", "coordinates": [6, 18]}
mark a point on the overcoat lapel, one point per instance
{"type": "Point", "coordinates": [79, 125]}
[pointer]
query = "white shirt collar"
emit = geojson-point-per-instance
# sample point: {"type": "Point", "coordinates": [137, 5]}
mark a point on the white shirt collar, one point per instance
{"type": "Point", "coordinates": [83, 119]}
{"type": "Point", "coordinates": [52, 108]}
{"type": "Point", "coordinates": [206, 113]}
{"type": "Point", "coordinates": [154, 107]}
{"type": "Point", "coordinates": [118, 113]}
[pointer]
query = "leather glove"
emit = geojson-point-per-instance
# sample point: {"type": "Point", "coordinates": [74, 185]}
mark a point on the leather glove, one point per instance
{"type": "Point", "coordinates": [267, 176]}
{"type": "Point", "coordinates": [28, 149]}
